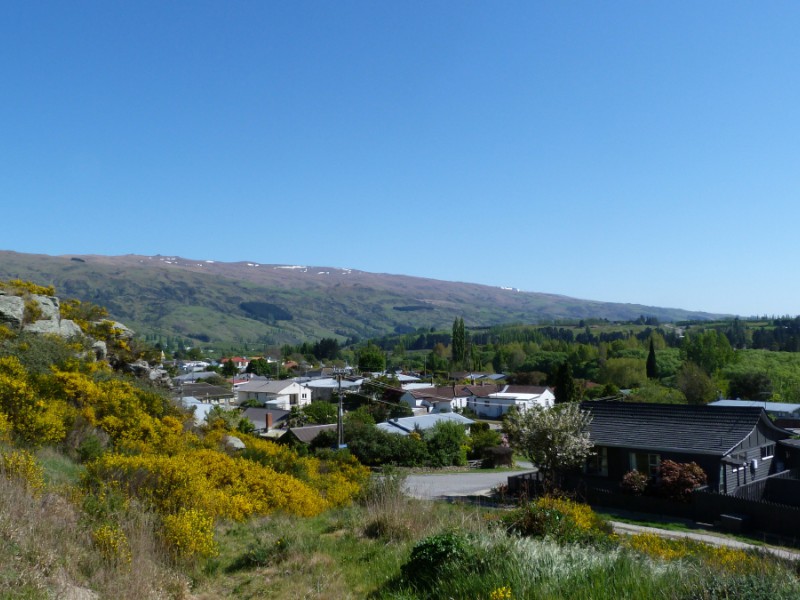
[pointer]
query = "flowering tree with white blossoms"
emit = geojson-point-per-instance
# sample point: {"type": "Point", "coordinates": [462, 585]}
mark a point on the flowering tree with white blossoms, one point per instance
{"type": "Point", "coordinates": [553, 439]}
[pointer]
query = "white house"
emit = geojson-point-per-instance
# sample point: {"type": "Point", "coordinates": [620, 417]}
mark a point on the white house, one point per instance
{"type": "Point", "coordinates": [274, 394]}
{"type": "Point", "coordinates": [493, 405]}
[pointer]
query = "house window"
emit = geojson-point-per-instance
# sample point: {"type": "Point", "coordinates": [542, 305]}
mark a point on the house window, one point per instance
{"type": "Point", "coordinates": [597, 464]}
{"type": "Point", "coordinates": [293, 399]}
{"type": "Point", "coordinates": [486, 403]}
{"type": "Point", "coordinates": [645, 462]}
{"type": "Point", "coordinates": [767, 451]}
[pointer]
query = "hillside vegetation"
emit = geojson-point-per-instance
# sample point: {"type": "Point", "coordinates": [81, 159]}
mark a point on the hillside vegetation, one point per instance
{"type": "Point", "coordinates": [108, 490]}
{"type": "Point", "coordinates": [227, 304]}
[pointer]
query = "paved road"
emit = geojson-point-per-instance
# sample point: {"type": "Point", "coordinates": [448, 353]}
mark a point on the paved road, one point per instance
{"type": "Point", "coordinates": [449, 485]}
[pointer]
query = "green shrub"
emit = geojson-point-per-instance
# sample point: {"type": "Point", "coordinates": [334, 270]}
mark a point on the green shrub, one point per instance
{"type": "Point", "coordinates": [433, 554]}
{"type": "Point", "coordinates": [560, 519]}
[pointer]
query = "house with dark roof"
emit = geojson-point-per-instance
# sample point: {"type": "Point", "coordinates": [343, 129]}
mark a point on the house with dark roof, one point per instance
{"type": "Point", "coordinates": [734, 445]}
{"type": "Point", "coordinates": [306, 434]}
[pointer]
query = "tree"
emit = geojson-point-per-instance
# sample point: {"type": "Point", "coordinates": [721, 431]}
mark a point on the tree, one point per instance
{"type": "Point", "coordinates": [709, 350]}
{"type": "Point", "coordinates": [554, 439]}
{"type": "Point", "coordinates": [371, 359]}
{"type": "Point", "coordinates": [446, 444]}
{"type": "Point", "coordinates": [566, 390]}
{"type": "Point", "coordinates": [750, 385]}
{"type": "Point", "coordinates": [652, 365]}
{"type": "Point", "coordinates": [321, 412]}
{"type": "Point", "coordinates": [259, 366]}
{"type": "Point", "coordinates": [229, 368]}
{"type": "Point", "coordinates": [459, 342]}
{"type": "Point", "coordinates": [695, 384]}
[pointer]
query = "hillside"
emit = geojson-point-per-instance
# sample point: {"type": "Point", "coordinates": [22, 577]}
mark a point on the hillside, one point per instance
{"type": "Point", "coordinates": [228, 303]}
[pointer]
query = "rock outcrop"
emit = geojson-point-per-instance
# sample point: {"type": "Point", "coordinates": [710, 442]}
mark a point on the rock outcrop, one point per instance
{"type": "Point", "coordinates": [12, 310]}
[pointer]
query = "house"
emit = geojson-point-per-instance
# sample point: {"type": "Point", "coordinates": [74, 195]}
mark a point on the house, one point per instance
{"type": "Point", "coordinates": [266, 420]}
{"type": "Point", "coordinates": [734, 445]}
{"type": "Point", "coordinates": [436, 399]}
{"type": "Point", "coordinates": [324, 388]}
{"type": "Point", "coordinates": [406, 425]}
{"type": "Point", "coordinates": [210, 394]}
{"type": "Point", "coordinates": [283, 394]}
{"type": "Point", "coordinates": [305, 435]}
{"type": "Point", "coordinates": [240, 362]}
{"type": "Point", "coordinates": [493, 402]}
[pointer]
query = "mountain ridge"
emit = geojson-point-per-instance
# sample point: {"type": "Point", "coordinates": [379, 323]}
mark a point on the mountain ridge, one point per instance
{"type": "Point", "coordinates": [246, 301]}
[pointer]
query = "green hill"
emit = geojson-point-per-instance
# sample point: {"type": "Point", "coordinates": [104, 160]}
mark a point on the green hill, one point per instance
{"type": "Point", "coordinates": [231, 303]}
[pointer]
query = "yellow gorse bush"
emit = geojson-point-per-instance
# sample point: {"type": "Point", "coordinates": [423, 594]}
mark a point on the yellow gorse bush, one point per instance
{"type": "Point", "coordinates": [28, 415]}
{"type": "Point", "coordinates": [112, 543]}
{"type": "Point", "coordinates": [22, 466]}
{"type": "Point", "coordinates": [723, 558]}
{"type": "Point", "coordinates": [582, 514]}
{"type": "Point", "coordinates": [190, 534]}
{"type": "Point", "coordinates": [207, 480]}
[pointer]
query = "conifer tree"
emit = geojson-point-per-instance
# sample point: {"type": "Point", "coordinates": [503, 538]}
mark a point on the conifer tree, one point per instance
{"type": "Point", "coordinates": [652, 366]}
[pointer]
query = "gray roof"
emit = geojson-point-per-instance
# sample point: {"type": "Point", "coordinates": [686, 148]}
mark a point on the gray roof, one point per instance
{"type": "Point", "coordinates": [674, 427]}
{"type": "Point", "coordinates": [406, 425]}
{"type": "Point", "coordinates": [308, 433]}
{"type": "Point", "coordinates": [266, 387]}
{"type": "Point", "coordinates": [778, 408]}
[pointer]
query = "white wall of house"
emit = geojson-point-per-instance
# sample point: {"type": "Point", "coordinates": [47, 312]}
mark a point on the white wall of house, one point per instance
{"type": "Point", "coordinates": [283, 397]}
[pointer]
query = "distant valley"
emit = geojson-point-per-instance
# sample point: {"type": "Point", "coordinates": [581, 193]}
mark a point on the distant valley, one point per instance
{"type": "Point", "coordinates": [221, 303]}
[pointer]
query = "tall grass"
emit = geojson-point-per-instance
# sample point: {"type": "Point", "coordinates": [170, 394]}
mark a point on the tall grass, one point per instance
{"type": "Point", "coordinates": [47, 550]}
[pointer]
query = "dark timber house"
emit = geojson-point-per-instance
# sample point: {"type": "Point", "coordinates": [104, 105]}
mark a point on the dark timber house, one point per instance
{"type": "Point", "coordinates": [734, 445]}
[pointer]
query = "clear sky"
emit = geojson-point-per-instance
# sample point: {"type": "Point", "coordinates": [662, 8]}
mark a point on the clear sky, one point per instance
{"type": "Point", "coordinates": [635, 152]}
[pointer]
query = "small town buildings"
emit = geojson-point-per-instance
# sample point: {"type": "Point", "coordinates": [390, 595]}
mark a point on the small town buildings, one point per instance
{"type": "Point", "coordinates": [283, 394]}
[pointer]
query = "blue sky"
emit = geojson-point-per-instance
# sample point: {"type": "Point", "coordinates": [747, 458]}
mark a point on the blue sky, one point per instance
{"type": "Point", "coordinates": [631, 151]}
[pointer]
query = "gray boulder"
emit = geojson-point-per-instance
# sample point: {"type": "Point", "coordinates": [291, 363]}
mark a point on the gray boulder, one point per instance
{"type": "Point", "coordinates": [12, 310]}
{"type": "Point", "coordinates": [64, 328]}
{"type": "Point", "coordinates": [100, 350]}
{"type": "Point", "coordinates": [50, 307]}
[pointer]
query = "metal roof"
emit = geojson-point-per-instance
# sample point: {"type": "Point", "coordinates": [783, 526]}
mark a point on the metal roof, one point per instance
{"type": "Point", "coordinates": [674, 427]}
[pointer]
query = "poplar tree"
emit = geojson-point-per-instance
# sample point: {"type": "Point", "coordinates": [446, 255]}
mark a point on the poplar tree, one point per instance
{"type": "Point", "coordinates": [459, 342]}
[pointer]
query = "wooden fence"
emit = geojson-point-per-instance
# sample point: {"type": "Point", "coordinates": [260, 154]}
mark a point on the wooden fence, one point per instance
{"type": "Point", "coordinates": [753, 506]}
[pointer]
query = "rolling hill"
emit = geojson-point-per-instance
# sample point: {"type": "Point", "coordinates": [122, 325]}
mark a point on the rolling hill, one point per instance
{"type": "Point", "coordinates": [230, 303]}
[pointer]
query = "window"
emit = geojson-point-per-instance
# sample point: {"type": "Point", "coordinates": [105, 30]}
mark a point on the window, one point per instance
{"type": "Point", "coordinates": [597, 464]}
{"type": "Point", "coordinates": [293, 399]}
{"type": "Point", "coordinates": [645, 463]}
{"type": "Point", "coordinates": [767, 451]}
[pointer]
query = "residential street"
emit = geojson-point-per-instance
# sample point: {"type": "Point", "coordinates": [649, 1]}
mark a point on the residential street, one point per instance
{"type": "Point", "coordinates": [452, 485]}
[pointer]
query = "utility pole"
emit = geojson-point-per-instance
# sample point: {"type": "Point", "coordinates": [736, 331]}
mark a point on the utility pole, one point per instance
{"type": "Point", "coordinates": [340, 420]}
